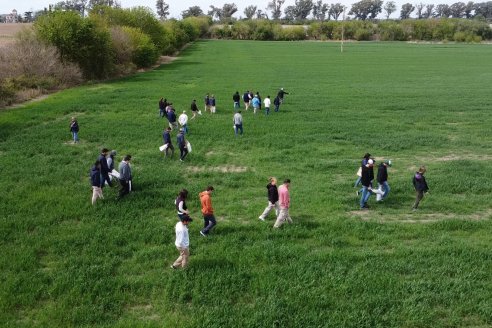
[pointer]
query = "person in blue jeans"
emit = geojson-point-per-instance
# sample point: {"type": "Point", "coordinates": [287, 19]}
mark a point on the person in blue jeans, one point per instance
{"type": "Point", "coordinates": [238, 123]}
{"type": "Point", "coordinates": [276, 102]}
{"type": "Point", "coordinates": [74, 128]}
{"type": "Point", "coordinates": [383, 178]}
{"type": "Point", "coordinates": [359, 172]}
{"type": "Point", "coordinates": [366, 179]}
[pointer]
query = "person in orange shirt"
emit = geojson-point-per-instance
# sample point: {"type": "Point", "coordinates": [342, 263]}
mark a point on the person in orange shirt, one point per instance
{"type": "Point", "coordinates": [207, 211]}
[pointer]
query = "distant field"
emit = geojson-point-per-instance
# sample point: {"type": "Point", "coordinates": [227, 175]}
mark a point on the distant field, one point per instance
{"type": "Point", "coordinates": [8, 31]}
{"type": "Point", "coordinates": [65, 263]}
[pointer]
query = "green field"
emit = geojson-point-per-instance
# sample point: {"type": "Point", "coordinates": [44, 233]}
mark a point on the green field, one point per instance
{"type": "Point", "coordinates": [65, 263]}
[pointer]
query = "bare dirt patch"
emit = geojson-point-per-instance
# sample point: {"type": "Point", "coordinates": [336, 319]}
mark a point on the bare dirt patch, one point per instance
{"type": "Point", "coordinates": [221, 168]}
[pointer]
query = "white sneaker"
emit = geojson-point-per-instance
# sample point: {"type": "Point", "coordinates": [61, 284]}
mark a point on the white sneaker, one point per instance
{"type": "Point", "coordinates": [262, 219]}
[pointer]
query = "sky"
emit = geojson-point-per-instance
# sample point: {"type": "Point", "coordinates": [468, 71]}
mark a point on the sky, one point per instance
{"type": "Point", "coordinates": [177, 6]}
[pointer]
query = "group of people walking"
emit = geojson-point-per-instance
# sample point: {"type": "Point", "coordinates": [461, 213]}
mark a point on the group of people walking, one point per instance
{"type": "Point", "coordinates": [103, 173]}
{"type": "Point", "coordinates": [366, 177]}
{"type": "Point", "coordinates": [255, 101]}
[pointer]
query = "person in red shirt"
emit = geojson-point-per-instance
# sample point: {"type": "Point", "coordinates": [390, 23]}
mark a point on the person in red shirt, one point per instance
{"type": "Point", "coordinates": [207, 211]}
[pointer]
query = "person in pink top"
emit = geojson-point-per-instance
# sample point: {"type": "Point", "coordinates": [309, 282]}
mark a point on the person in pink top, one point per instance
{"type": "Point", "coordinates": [284, 201]}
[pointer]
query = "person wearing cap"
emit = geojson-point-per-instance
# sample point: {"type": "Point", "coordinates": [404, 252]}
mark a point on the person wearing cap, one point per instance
{"type": "Point", "coordinates": [180, 203]}
{"type": "Point", "coordinates": [207, 211]}
{"type": "Point", "coordinates": [96, 182]}
{"type": "Point", "coordinates": [104, 168]}
{"type": "Point", "coordinates": [284, 202]}
{"type": "Point", "coordinates": [238, 123]}
{"type": "Point", "coordinates": [236, 98]}
{"type": "Point", "coordinates": [183, 121]}
{"type": "Point", "coordinates": [212, 104]}
{"type": "Point", "coordinates": [281, 94]}
{"type": "Point", "coordinates": [256, 102]}
{"type": "Point", "coordinates": [167, 141]}
{"type": "Point", "coordinates": [382, 178]}
{"type": "Point", "coordinates": [267, 103]}
{"type": "Point", "coordinates": [74, 128]}
{"type": "Point", "coordinates": [194, 109]}
{"type": "Point", "coordinates": [181, 141]}
{"type": "Point", "coordinates": [366, 179]}
{"type": "Point", "coordinates": [272, 199]}
{"type": "Point", "coordinates": [125, 176]}
{"type": "Point", "coordinates": [182, 242]}
{"type": "Point", "coordinates": [420, 186]}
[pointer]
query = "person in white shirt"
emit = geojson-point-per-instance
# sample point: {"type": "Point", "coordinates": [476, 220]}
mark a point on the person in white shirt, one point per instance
{"type": "Point", "coordinates": [182, 242]}
{"type": "Point", "coordinates": [238, 123]}
{"type": "Point", "coordinates": [267, 103]}
{"type": "Point", "coordinates": [183, 121]}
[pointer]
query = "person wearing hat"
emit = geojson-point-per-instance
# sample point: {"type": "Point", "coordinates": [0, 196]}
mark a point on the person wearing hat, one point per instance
{"type": "Point", "coordinates": [281, 94]}
{"type": "Point", "coordinates": [183, 121]}
{"type": "Point", "coordinates": [182, 242]}
{"type": "Point", "coordinates": [207, 211]}
{"type": "Point", "coordinates": [420, 186]}
{"type": "Point", "coordinates": [383, 180]}
{"type": "Point", "coordinates": [125, 176]}
{"type": "Point", "coordinates": [367, 175]}
{"type": "Point", "coordinates": [181, 141]}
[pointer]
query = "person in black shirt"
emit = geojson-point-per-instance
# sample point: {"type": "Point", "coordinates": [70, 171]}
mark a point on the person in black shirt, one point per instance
{"type": "Point", "coordinates": [420, 186]}
{"type": "Point", "coordinates": [236, 98]}
{"type": "Point", "coordinates": [272, 199]}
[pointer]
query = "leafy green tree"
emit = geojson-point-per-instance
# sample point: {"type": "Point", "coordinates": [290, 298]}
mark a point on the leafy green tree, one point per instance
{"type": "Point", "coordinates": [442, 11]}
{"type": "Point", "coordinates": [470, 6]}
{"type": "Point", "coordinates": [162, 9]}
{"type": "Point", "coordinates": [419, 10]}
{"type": "Point", "coordinates": [299, 11]}
{"type": "Point", "coordinates": [336, 9]}
{"type": "Point", "coordinates": [429, 11]}
{"type": "Point", "coordinates": [78, 40]}
{"type": "Point", "coordinates": [365, 9]}
{"type": "Point", "coordinates": [458, 9]}
{"type": "Point", "coordinates": [389, 8]}
{"type": "Point", "coordinates": [320, 10]}
{"type": "Point", "coordinates": [193, 11]}
{"type": "Point", "coordinates": [275, 6]}
{"type": "Point", "coordinates": [250, 11]}
{"type": "Point", "coordinates": [406, 10]}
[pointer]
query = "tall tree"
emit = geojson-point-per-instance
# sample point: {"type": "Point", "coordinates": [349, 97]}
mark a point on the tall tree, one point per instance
{"type": "Point", "coordinates": [109, 3]}
{"type": "Point", "coordinates": [320, 10]}
{"type": "Point", "coordinates": [336, 9]}
{"type": "Point", "coordinates": [224, 13]}
{"type": "Point", "coordinates": [470, 6]}
{"type": "Point", "coordinates": [275, 6]}
{"type": "Point", "coordinates": [429, 11]}
{"type": "Point", "coordinates": [419, 9]}
{"type": "Point", "coordinates": [458, 9]}
{"type": "Point", "coordinates": [215, 12]}
{"type": "Point", "coordinates": [261, 15]}
{"type": "Point", "coordinates": [365, 9]}
{"type": "Point", "coordinates": [299, 11]}
{"type": "Point", "coordinates": [193, 11]}
{"type": "Point", "coordinates": [250, 11]}
{"type": "Point", "coordinates": [406, 10]}
{"type": "Point", "coordinates": [442, 11]}
{"type": "Point", "coordinates": [162, 9]}
{"type": "Point", "coordinates": [28, 17]}
{"type": "Point", "coordinates": [389, 8]}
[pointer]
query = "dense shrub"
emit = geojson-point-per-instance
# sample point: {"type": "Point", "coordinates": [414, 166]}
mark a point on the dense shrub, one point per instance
{"type": "Point", "coordinates": [290, 33]}
{"type": "Point", "coordinates": [242, 30]}
{"type": "Point", "coordinates": [122, 50]}
{"type": "Point", "coordinates": [391, 31]}
{"type": "Point", "coordinates": [263, 30]}
{"type": "Point", "coordinates": [220, 32]}
{"type": "Point", "coordinates": [200, 25]}
{"type": "Point", "coordinates": [78, 40]}
{"type": "Point", "coordinates": [144, 53]}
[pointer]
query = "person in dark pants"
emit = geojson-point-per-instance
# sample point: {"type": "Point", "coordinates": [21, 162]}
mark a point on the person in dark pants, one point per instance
{"type": "Point", "coordinates": [281, 94]}
{"type": "Point", "coordinates": [420, 186]}
{"type": "Point", "coordinates": [180, 203]}
{"type": "Point", "coordinates": [207, 211]}
{"type": "Point", "coordinates": [194, 109]}
{"type": "Point", "coordinates": [182, 145]}
{"type": "Point", "coordinates": [366, 179]}
{"type": "Point", "coordinates": [96, 182]}
{"type": "Point", "coordinates": [125, 176]}
{"type": "Point", "coordinates": [162, 107]}
{"type": "Point", "coordinates": [171, 117]}
{"type": "Point", "coordinates": [246, 100]}
{"type": "Point", "coordinates": [276, 102]}
{"type": "Point", "coordinates": [167, 141]}
{"type": "Point", "coordinates": [104, 167]}
{"type": "Point", "coordinates": [383, 179]}
{"type": "Point", "coordinates": [236, 98]}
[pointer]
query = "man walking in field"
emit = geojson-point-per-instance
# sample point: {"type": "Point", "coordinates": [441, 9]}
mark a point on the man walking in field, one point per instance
{"type": "Point", "coordinates": [96, 182]}
{"type": "Point", "coordinates": [281, 94]}
{"type": "Point", "coordinates": [267, 103]}
{"type": "Point", "coordinates": [181, 141]}
{"type": "Point", "coordinates": [366, 179]}
{"type": "Point", "coordinates": [284, 202]}
{"type": "Point", "coordinates": [212, 104]}
{"type": "Point", "coordinates": [256, 102]}
{"type": "Point", "coordinates": [383, 180]}
{"type": "Point", "coordinates": [171, 117]}
{"type": "Point", "coordinates": [236, 98]}
{"type": "Point", "coordinates": [420, 186]}
{"type": "Point", "coordinates": [276, 102]}
{"type": "Point", "coordinates": [207, 211]}
{"type": "Point", "coordinates": [207, 103]}
{"type": "Point", "coordinates": [182, 242]}
{"type": "Point", "coordinates": [194, 109]}
{"type": "Point", "coordinates": [183, 121]}
{"type": "Point", "coordinates": [74, 128]}
{"type": "Point", "coordinates": [167, 141]}
{"type": "Point", "coordinates": [238, 123]}
{"type": "Point", "coordinates": [246, 100]}
{"type": "Point", "coordinates": [125, 176]}
{"type": "Point", "coordinates": [272, 199]}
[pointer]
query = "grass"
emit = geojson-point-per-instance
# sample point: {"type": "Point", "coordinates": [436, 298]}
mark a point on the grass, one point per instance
{"type": "Point", "coordinates": [66, 263]}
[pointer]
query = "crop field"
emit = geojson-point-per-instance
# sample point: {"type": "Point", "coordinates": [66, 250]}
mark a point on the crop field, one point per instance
{"type": "Point", "coordinates": [8, 31]}
{"type": "Point", "coordinates": [66, 263]}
